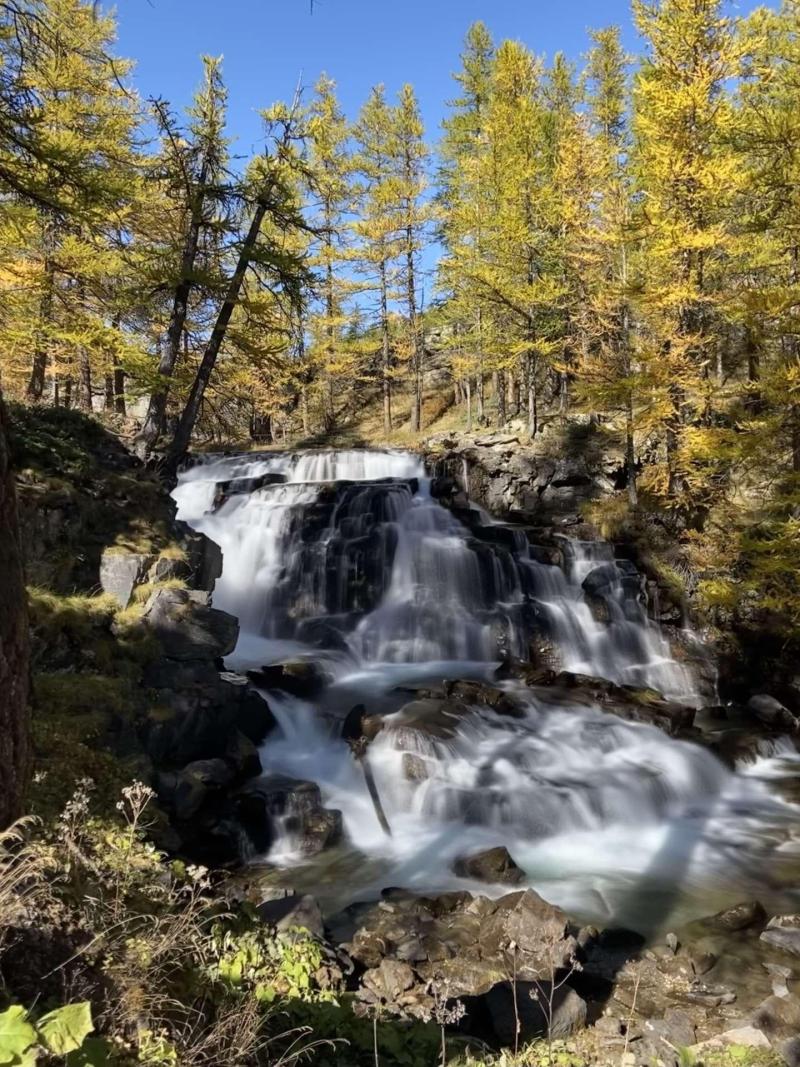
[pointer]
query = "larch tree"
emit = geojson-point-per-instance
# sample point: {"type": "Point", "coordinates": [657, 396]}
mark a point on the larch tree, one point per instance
{"type": "Point", "coordinates": [330, 193]}
{"type": "Point", "coordinates": [194, 176]}
{"type": "Point", "coordinates": [609, 377]}
{"type": "Point", "coordinates": [411, 154]}
{"type": "Point", "coordinates": [377, 227]}
{"type": "Point", "coordinates": [463, 208]}
{"type": "Point", "coordinates": [686, 172]}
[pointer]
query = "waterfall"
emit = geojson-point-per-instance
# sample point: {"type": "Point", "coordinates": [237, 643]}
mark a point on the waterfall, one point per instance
{"type": "Point", "coordinates": [345, 559]}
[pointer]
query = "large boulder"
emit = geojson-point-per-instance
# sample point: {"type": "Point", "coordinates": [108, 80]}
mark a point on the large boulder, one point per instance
{"type": "Point", "coordinates": [187, 627]}
{"type": "Point", "coordinates": [772, 713]}
{"type": "Point", "coordinates": [195, 713]}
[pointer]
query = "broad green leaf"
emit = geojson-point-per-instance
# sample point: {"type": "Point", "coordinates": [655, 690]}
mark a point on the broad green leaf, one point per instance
{"type": "Point", "coordinates": [64, 1029]}
{"type": "Point", "coordinates": [17, 1035]}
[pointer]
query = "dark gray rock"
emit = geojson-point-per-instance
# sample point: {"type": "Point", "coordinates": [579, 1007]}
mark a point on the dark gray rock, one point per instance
{"type": "Point", "coordinates": [540, 1010]}
{"type": "Point", "coordinates": [197, 783]}
{"type": "Point", "coordinates": [739, 917]}
{"type": "Point", "coordinates": [274, 803]}
{"type": "Point", "coordinates": [494, 865]}
{"type": "Point", "coordinates": [772, 713]}
{"type": "Point", "coordinates": [290, 911]}
{"type": "Point", "coordinates": [187, 628]}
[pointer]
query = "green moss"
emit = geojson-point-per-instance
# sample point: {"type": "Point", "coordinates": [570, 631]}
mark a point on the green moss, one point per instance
{"type": "Point", "coordinates": [76, 616]}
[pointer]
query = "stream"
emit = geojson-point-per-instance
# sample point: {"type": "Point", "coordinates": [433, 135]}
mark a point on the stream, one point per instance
{"type": "Point", "coordinates": [348, 562]}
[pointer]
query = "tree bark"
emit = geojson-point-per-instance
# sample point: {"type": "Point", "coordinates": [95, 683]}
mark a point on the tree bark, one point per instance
{"type": "Point", "coordinates": [188, 419]}
{"type": "Point", "coordinates": [14, 650]}
{"type": "Point", "coordinates": [386, 353]}
{"type": "Point", "coordinates": [500, 389]}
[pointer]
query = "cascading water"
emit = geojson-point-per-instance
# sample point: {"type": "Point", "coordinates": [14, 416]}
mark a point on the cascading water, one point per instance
{"type": "Point", "coordinates": [345, 558]}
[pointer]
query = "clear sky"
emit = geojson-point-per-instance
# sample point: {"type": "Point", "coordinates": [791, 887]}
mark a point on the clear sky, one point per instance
{"type": "Point", "coordinates": [268, 44]}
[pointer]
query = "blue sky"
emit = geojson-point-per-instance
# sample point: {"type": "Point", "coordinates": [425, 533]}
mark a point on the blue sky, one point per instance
{"type": "Point", "coordinates": [268, 44]}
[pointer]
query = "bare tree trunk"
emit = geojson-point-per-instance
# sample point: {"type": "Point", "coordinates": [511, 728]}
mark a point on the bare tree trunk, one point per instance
{"type": "Point", "coordinates": [533, 399]}
{"type": "Point", "coordinates": [188, 419]}
{"type": "Point", "coordinates": [119, 389]}
{"type": "Point", "coordinates": [469, 404]}
{"type": "Point", "coordinates": [386, 353]}
{"type": "Point", "coordinates": [156, 417]}
{"type": "Point", "coordinates": [14, 649]}
{"type": "Point", "coordinates": [84, 379]}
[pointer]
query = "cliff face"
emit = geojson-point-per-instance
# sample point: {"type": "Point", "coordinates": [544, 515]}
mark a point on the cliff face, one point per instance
{"type": "Point", "coordinates": [14, 652]}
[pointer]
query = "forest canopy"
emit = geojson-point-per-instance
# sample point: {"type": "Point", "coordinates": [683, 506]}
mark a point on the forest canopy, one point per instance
{"type": "Point", "coordinates": [618, 240]}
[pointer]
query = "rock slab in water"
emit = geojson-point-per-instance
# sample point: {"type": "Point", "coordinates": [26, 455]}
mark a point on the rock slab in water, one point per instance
{"type": "Point", "coordinates": [494, 865]}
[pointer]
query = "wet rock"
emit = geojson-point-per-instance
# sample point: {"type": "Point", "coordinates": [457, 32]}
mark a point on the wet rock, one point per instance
{"type": "Point", "coordinates": [703, 962]}
{"type": "Point", "coordinates": [626, 702]}
{"type": "Point", "coordinates": [239, 486]}
{"type": "Point", "coordinates": [783, 932]}
{"type": "Point", "coordinates": [322, 633]}
{"type": "Point", "coordinates": [187, 628]}
{"type": "Point", "coordinates": [292, 910]}
{"type": "Point", "coordinates": [539, 1009]}
{"type": "Point", "coordinates": [778, 1018]}
{"type": "Point", "coordinates": [277, 804]}
{"type": "Point", "coordinates": [204, 557]}
{"type": "Point", "coordinates": [772, 713]}
{"type": "Point", "coordinates": [415, 768]}
{"type": "Point", "coordinates": [121, 572]}
{"type": "Point", "coordinates": [301, 678]}
{"type": "Point", "coordinates": [739, 917]}
{"type": "Point", "coordinates": [494, 865]}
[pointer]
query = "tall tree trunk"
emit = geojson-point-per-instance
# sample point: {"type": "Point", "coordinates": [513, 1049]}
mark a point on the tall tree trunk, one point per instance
{"type": "Point", "coordinates": [330, 330]}
{"type": "Point", "coordinates": [468, 385]}
{"type": "Point", "coordinates": [500, 390]}
{"type": "Point", "coordinates": [386, 353]}
{"type": "Point", "coordinates": [40, 352]}
{"type": "Point", "coordinates": [119, 389]}
{"type": "Point", "coordinates": [416, 354]}
{"type": "Point", "coordinates": [188, 419]}
{"type": "Point", "coordinates": [108, 392]}
{"type": "Point", "coordinates": [481, 375]}
{"type": "Point", "coordinates": [155, 420]}
{"type": "Point", "coordinates": [14, 654]}
{"type": "Point", "coordinates": [84, 379]}
{"type": "Point", "coordinates": [533, 398]}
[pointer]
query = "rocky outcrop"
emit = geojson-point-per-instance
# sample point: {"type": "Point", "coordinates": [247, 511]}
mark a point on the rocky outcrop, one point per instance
{"type": "Point", "coordinates": [548, 480]}
{"type": "Point", "coordinates": [187, 627]}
